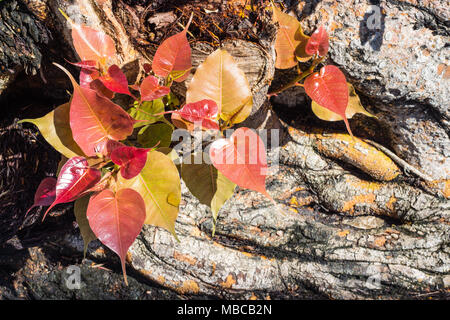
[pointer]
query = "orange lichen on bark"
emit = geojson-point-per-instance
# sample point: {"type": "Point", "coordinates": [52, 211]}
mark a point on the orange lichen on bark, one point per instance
{"type": "Point", "coordinates": [359, 154]}
{"type": "Point", "coordinates": [380, 241]}
{"type": "Point", "coordinates": [185, 258]}
{"type": "Point", "coordinates": [343, 233]}
{"type": "Point", "coordinates": [229, 282]}
{"type": "Point", "coordinates": [442, 186]}
{"type": "Point", "coordinates": [189, 286]}
{"type": "Point", "coordinates": [349, 206]}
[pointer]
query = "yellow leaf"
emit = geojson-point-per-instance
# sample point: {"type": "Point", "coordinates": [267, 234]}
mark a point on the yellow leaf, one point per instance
{"type": "Point", "coordinates": [290, 40]}
{"type": "Point", "coordinates": [219, 78]}
{"type": "Point", "coordinates": [354, 106]}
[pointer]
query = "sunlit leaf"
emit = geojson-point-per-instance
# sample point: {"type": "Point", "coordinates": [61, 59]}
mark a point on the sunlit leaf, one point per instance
{"type": "Point", "coordinates": [155, 134]}
{"type": "Point", "coordinates": [204, 113]}
{"type": "Point", "coordinates": [55, 128]}
{"type": "Point", "coordinates": [354, 106]}
{"type": "Point", "coordinates": [318, 43]}
{"type": "Point", "coordinates": [80, 209]}
{"type": "Point", "coordinates": [115, 80]}
{"type": "Point", "coordinates": [150, 111]}
{"type": "Point", "coordinates": [95, 119]}
{"type": "Point", "coordinates": [91, 44]}
{"type": "Point", "coordinates": [75, 178]}
{"type": "Point", "coordinates": [45, 193]}
{"type": "Point", "coordinates": [117, 219]}
{"type": "Point", "coordinates": [151, 90]}
{"type": "Point", "coordinates": [173, 57]}
{"type": "Point", "coordinates": [328, 88]}
{"type": "Point", "coordinates": [220, 79]}
{"type": "Point", "coordinates": [290, 40]}
{"type": "Point", "coordinates": [159, 185]}
{"type": "Point", "coordinates": [242, 159]}
{"type": "Point", "coordinates": [130, 159]}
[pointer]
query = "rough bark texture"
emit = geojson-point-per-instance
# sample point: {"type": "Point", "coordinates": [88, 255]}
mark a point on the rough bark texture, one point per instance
{"type": "Point", "coordinates": [353, 220]}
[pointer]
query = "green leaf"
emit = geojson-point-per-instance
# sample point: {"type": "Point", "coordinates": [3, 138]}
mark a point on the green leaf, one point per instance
{"type": "Point", "coordinates": [207, 184]}
{"type": "Point", "coordinates": [160, 187]}
{"type": "Point", "coordinates": [150, 135]}
{"type": "Point", "coordinates": [55, 128]}
{"type": "Point", "coordinates": [80, 208]}
{"type": "Point", "coordinates": [146, 111]}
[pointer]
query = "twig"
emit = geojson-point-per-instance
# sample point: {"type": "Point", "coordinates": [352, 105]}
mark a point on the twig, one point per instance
{"type": "Point", "coordinates": [405, 165]}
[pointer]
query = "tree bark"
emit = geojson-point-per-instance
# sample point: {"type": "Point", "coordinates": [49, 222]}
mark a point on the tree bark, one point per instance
{"type": "Point", "coordinates": [353, 220]}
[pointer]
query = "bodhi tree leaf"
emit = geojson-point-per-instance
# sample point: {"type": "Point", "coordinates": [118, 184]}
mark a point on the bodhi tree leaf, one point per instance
{"type": "Point", "coordinates": [151, 90]}
{"type": "Point", "coordinates": [91, 44]}
{"type": "Point", "coordinates": [207, 184]}
{"type": "Point", "coordinates": [55, 128]}
{"type": "Point", "coordinates": [159, 134]}
{"type": "Point", "coordinates": [318, 43]}
{"type": "Point", "coordinates": [204, 112]}
{"type": "Point", "coordinates": [173, 56]}
{"type": "Point", "coordinates": [290, 40]}
{"type": "Point", "coordinates": [159, 185]}
{"type": "Point", "coordinates": [130, 159]}
{"type": "Point", "coordinates": [117, 219]}
{"type": "Point", "coordinates": [220, 79]}
{"type": "Point", "coordinates": [242, 159]}
{"type": "Point", "coordinates": [115, 80]}
{"type": "Point", "coordinates": [328, 88]}
{"type": "Point", "coordinates": [354, 106]}
{"type": "Point", "coordinates": [80, 209]}
{"type": "Point", "coordinates": [150, 111]}
{"type": "Point", "coordinates": [45, 193]}
{"type": "Point", "coordinates": [95, 119]}
{"type": "Point", "coordinates": [75, 178]}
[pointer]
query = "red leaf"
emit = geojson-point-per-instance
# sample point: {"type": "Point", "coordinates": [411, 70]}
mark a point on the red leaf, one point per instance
{"type": "Point", "coordinates": [88, 64]}
{"type": "Point", "coordinates": [100, 89]}
{"type": "Point", "coordinates": [74, 178]}
{"type": "Point", "coordinates": [108, 146]}
{"type": "Point", "coordinates": [173, 55]}
{"type": "Point", "coordinates": [318, 43]}
{"type": "Point", "coordinates": [115, 80]}
{"type": "Point", "coordinates": [329, 89]}
{"type": "Point", "coordinates": [204, 111]}
{"type": "Point", "coordinates": [242, 159]}
{"type": "Point", "coordinates": [91, 44]}
{"type": "Point", "coordinates": [116, 220]}
{"type": "Point", "coordinates": [87, 76]}
{"type": "Point", "coordinates": [151, 90]}
{"type": "Point", "coordinates": [95, 119]}
{"type": "Point", "coordinates": [130, 159]}
{"type": "Point", "coordinates": [45, 193]}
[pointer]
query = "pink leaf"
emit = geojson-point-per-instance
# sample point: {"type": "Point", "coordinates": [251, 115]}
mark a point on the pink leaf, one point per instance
{"type": "Point", "coordinates": [130, 159]}
{"type": "Point", "coordinates": [242, 159]}
{"type": "Point", "coordinates": [204, 112]}
{"type": "Point", "coordinates": [75, 177]}
{"type": "Point", "coordinates": [329, 89]}
{"type": "Point", "coordinates": [45, 193]}
{"type": "Point", "coordinates": [151, 90]}
{"type": "Point", "coordinates": [115, 80]}
{"type": "Point", "coordinates": [116, 219]}
{"type": "Point", "coordinates": [318, 43]}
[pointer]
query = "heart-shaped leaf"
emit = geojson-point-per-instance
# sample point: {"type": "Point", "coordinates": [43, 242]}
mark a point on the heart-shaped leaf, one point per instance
{"type": "Point", "coordinates": [117, 219]}
{"type": "Point", "coordinates": [204, 113]}
{"type": "Point", "coordinates": [95, 119]}
{"type": "Point", "coordinates": [220, 79]}
{"type": "Point", "coordinates": [207, 184]}
{"type": "Point", "coordinates": [354, 106]}
{"type": "Point", "coordinates": [74, 179]}
{"type": "Point", "coordinates": [290, 40]}
{"type": "Point", "coordinates": [318, 43]}
{"type": "Point", "coordinates": [55, 128]}
{"type": "Point", "coordinates": [159, 185]}
{"type": "Point", "coordinates": [173, 56]}
{"type": "Point", "coordinates": [45, 193]}
{"type": "Point", "coordinates": [130, 159]}
{"type": "Point", "coordinates": [151, 90]}
{"type": "Point", "coordinates": [115, 80]}
{"type": "Point", "coordinates": [80, 209]}
{"type": "Point", "coordinates": [328, 88]}
{"type": "Point", "coordinates": [242, 159]}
